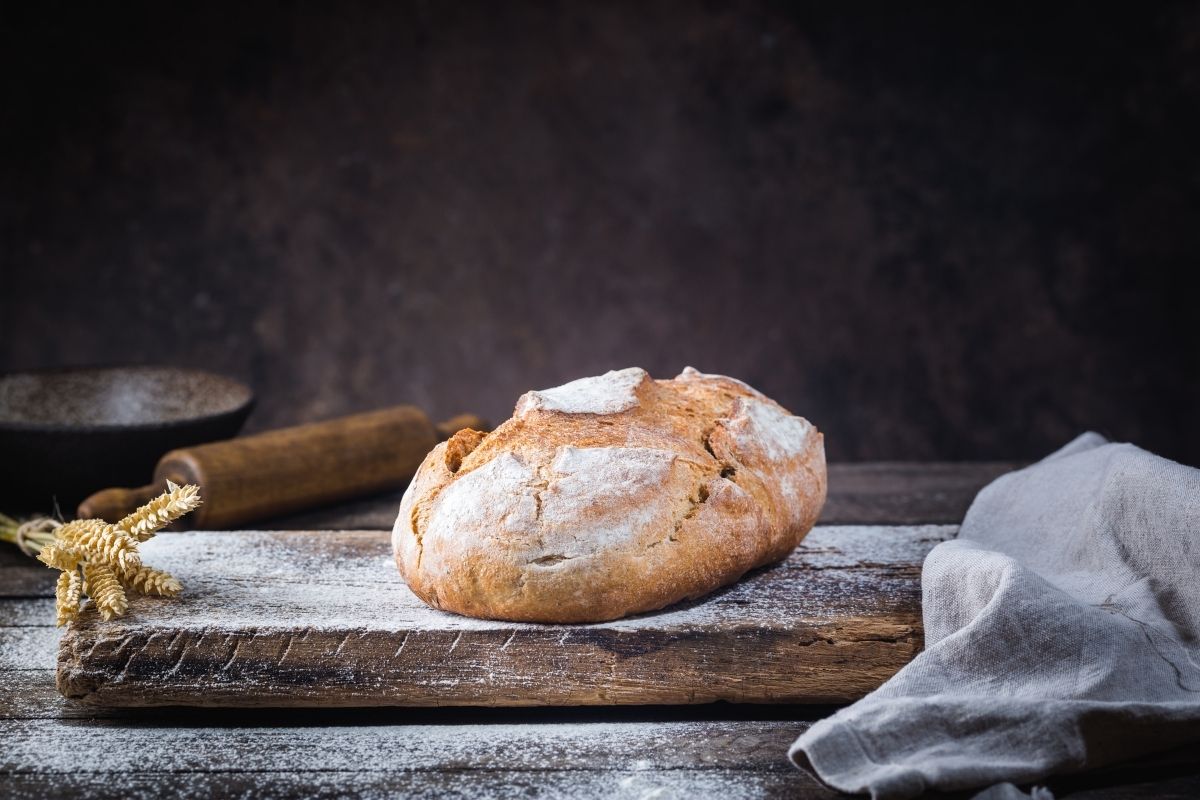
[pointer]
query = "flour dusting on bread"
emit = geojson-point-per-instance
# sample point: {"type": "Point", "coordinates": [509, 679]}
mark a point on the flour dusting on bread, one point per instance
{"type": "Point", "coordinates": [621, 494]}
{"type": "Point", "coordinates": [610, 393]}
{"type": "Point", "coordinates": [764, 425]}
{"type": "Point", "coordinates": [602, 498]}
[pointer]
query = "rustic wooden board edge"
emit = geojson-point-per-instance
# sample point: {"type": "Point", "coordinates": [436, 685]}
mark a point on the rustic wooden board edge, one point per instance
{"type": "Point", "coordinates": [802, 664]}
{"type": "Point", "coordinates": [32, 695]}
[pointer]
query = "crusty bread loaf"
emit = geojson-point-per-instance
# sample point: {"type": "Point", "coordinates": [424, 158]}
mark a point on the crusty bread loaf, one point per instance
{"type": "Point", "coordinates": [610, 496]}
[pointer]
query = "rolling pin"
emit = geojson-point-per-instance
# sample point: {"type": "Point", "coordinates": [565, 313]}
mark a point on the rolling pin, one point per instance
{"type": "Point", "coordinates": [281, 471]}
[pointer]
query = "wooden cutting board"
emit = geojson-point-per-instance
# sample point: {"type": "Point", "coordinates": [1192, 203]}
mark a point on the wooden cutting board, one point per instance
{"type": "Point", "coordinates": [322, 618]}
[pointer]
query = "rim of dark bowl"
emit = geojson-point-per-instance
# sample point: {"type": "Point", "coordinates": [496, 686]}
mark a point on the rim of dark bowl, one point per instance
{"type": "Point", "coordinates": [245, 406]}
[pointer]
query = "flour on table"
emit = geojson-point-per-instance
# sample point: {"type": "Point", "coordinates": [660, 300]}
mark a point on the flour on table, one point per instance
{"type": "Point", "coordinates": [611, 393]}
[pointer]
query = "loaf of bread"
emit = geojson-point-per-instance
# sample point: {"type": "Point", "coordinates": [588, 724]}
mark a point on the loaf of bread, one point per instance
{"type": "Point", "coordinates": [610, 496]}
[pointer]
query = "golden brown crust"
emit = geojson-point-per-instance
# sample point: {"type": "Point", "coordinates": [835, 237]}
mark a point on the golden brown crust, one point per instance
{"type": "Point", "coordinates": [610, 496]}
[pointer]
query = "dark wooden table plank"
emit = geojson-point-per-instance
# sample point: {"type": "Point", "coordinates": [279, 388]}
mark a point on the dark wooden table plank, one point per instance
{"type": "Point", "coordinates": [906, 493]}
{"type": "Point", "coordinates": [499, 784]}
{"type": "Point", "coordinates": [489, 784]}
{"type": "Point", "coordinates": [480, 753]}
{"type": "Point", "coordinates": [757, 746]}
{"type": "Point", "coordinates": [22, 576]}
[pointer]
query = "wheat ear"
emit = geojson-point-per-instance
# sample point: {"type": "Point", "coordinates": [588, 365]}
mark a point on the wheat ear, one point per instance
{"type": "Point", "coordinates": [61, 555]}
{"type": "Point", "coordinates": [102, 541]}
{"type": "Point", "coordinates": [161, 511]}
{"type": "Point", "coordinates": [106, 554]}
{"type": "Point", "coordinates": [66, 596]}
{"type": "Point", "coordinates": [102, 586]}
{"type": "Point", "coordinates": [148, 580]}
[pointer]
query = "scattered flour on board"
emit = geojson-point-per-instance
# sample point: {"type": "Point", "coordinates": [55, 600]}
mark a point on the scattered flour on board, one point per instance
{"type": "Point", "coordinates": [280, 586]}
{"type": "Point", "coordinates": [610, 393]}
{"type": "Point", "coordinates": [345, 581]}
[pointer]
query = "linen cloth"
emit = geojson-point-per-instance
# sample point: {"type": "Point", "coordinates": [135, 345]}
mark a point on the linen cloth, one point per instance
{"type": "Point", "coordinates": [1062, 632]}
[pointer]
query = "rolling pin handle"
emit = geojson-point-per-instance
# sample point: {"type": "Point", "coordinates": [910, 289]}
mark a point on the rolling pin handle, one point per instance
{"type": "Point", "coordinates": [449, 427]}
{"type": "Point", "coordinates": [221, 468]}
{"type": "Point", "coordinates": [111, 505]}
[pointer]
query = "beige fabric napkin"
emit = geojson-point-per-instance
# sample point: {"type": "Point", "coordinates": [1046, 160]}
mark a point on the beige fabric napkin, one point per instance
{"type": "Point", "coordinates": [1062, 632]}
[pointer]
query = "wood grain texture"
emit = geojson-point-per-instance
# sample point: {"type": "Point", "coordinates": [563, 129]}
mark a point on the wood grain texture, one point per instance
{"type": "Point", "coordinates": [346, 748]}
{"type": "Point", "coordinates": [500, 784]}
{"type": "Point", "coordinates": [480, 753]}
{"type": "Point", "coordinates": [322, 619]}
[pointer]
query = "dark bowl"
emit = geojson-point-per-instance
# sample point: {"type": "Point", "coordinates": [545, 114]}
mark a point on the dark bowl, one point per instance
{"type": "Point", "coordinates": [70, 432]}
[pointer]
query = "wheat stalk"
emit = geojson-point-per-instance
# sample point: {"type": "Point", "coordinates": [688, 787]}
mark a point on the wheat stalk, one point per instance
{"type": "Point", "coordinates": [106, 555]}
{"type": "Point", "coordinates": [103, 542]}
{"type": "Point", "coordinates": [161, 511]}
{"type": "Point", "coordinates": [60, 555]}
{"type": "Point", "coordinates": [67, 595]}
{"type": "Point", "coordinates": [101, 584]}
{"type": "Point", "coordinates": [148, 580]}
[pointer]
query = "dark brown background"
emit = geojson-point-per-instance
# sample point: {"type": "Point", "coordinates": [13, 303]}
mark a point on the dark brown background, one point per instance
{"type": "Point", "coordinates": [935, 231]}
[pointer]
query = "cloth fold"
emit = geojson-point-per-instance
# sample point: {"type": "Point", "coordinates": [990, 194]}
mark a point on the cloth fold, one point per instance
{"type": "Point", "coordinates": [1062, 633]}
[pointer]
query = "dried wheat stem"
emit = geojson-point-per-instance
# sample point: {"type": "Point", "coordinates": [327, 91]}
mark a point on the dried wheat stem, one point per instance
{"type": "Point", "coordinates": [34, 534]}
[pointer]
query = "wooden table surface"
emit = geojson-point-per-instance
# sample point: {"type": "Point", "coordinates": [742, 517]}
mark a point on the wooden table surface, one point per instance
{"type": "Point", "coordinates": [52, 747]}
